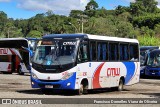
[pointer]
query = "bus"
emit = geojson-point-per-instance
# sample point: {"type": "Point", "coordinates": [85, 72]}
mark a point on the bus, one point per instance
{"type": "Point", "coordinates": [11, 61]}
{"type": "Point", "coordinates": [82, 62]}
{"type": "Point", "coordinates": [32, 42]}
{"type": "Point", "coordinates": [14, 55]}
{"type": "Point", "coordinates": [144, 50]}
{"type": "Point", "coordinates": [153, 63]}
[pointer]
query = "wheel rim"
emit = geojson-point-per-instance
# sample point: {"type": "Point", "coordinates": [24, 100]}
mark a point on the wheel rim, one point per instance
{"type": "Point", "coordinates": [120, 85]}
{"type": "Point", "coordinates": [81, 89]}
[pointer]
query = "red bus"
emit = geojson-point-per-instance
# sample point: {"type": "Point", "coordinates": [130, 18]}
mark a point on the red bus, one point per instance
{"type": "Point", "coordinates": [11, 61]}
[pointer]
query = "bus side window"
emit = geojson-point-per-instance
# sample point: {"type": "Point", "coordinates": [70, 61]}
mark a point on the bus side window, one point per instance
{"type": "Point", "coordinates": [113, 52]}
{"type": "Point", "coordinates": [124, 52]}
{"type": "Point", "coordinates": [102, 51]}
{"type": "Point", "coordinates": [82, 53]}
{"type": "Point", "coordinates": [93, 51]}
{"type": "Point", "coordinates": [134, 52]}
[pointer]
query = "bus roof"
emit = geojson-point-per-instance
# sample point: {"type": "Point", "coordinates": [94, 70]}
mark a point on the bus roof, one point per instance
{"type": "Point", "coordinates": [155, 51]}
{"type": "Point", "coordinates": [89, 36]}
{"type": "Point", "coordinates": [144, 48]}
{"type": "Point", "coordinates": [13, 42]}
{"type": "Point", "coordinates": [32, 38]}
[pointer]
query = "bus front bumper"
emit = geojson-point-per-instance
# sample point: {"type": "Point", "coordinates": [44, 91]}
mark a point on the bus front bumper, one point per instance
{"type": "Point", "coordinates": [152, 73]}
{"type": "Point", "coordinates": [54, 84]}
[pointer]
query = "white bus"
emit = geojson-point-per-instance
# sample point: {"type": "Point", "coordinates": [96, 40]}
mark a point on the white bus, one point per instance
{"type": "Point", "coordinates": [82, 62]}
{"type": "Point", "coordinates": [11, 61]}
{"type": "Point", "coordinates": [13, 55]}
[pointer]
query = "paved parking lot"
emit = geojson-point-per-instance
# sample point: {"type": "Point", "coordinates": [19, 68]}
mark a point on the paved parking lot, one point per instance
{"type": "Point", "coordinates": [18, 86]}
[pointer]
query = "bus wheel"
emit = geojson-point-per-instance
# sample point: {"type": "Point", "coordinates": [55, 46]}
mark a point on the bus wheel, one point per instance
{"type": "Point", "coordinates": [80, 90]}
{"type": "Point", "coordinates": [120, 86]}
{"type": "Point", "coordinates": [83, 88]}
{"type": "Point", "coordinates": [20, 71]}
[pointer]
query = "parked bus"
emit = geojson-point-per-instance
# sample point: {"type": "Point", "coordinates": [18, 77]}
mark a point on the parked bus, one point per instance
{"type": "Point", "coordinates": [81, 62]}
{"type": "Point", "coordinates": [14, 55]}
{"type": "Point", "coordinates": [11, 61]}
{"type": "Point", "coordinates": [153, 63]}
{"type": "Point", "coordinates": [144, 50]}
{"type": "Point", "coordinates": [32, 45]}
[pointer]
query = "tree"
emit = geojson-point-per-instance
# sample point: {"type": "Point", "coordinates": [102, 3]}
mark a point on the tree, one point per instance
{"type": "Point", "coordinates": [3, 21]}
{"type": "Point", "coordinates": [140, 7]}
{"type": "Point", "coordinates": [75, 13]}
{"type": "Point", "coordinates": [34, 34]}
{"type": "Point", "coordinates": [91, 8]}
{"type": "Point", "coordinates": [92, 5]}
{"type": "Point", "coordinates": [49, 13]}
{"type": "Point", "coordinates": [121, 9]}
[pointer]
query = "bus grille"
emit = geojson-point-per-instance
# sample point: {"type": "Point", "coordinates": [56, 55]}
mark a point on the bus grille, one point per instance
{"type": "Point", "coordinates": [49, 80]}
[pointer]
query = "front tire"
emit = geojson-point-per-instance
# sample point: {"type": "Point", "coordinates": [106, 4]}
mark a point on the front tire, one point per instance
{"type": "Point", "coordinates": [83, 89]}
{"type": "Point", "coordinates": [80, 90]}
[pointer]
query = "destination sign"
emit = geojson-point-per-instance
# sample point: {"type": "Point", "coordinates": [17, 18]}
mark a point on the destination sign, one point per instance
{"type": "Point", "coordinates": [47, 43]}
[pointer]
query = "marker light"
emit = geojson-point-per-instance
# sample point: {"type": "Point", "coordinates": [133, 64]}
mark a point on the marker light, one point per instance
{"type": "Point", "coordinates": [68, 75]}
{"type": "Point", "coordinates": [34, 76]}
{"type": "Point", "coordinates": [68, 84]}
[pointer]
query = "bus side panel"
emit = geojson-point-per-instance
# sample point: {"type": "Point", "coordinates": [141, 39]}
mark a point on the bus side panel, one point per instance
{"type": "Point", "coordinates": [5, 66]}
{"type": "Point", "coordinates": [111, 73]}
{"type": "Point", "coordinates": [100, 74]}
{"type": "Point", "coordinates": [85, 71]}
{"type": "Point", "coordinates": [107, 74]}
{"type": "Point", "coordinates": [133, 72]}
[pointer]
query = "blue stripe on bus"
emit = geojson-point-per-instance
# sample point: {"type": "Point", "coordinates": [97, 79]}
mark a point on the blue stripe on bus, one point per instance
{"type": "Point", "coordinates": [61, 83]}
{"type": "Point", "coordinates": [130, 66]}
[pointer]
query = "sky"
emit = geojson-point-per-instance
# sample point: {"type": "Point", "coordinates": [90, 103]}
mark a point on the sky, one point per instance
{"type": "Point", "coordinates": [25, 9]}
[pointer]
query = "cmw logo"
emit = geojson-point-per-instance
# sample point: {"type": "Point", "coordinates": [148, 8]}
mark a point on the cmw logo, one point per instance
{"type": "Point", "coordinates": [69, 43]}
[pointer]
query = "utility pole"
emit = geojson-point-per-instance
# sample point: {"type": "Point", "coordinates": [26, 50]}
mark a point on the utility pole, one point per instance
{"type": "Point", "coordinates": [82, 20]}
{"type": "Point", "coordinates": [82, 24]}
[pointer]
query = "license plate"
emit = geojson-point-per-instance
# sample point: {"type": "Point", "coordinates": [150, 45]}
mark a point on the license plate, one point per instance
{"type": "Point", "coordinates": [48, 86]}
{"type": "Point", "coordinates": [153, 73]}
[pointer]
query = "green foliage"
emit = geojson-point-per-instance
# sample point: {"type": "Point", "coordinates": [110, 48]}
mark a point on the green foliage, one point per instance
{"type": "Point", "coordinates": [121, 9]}
{"type": "Point", "coordinates": [75, 13]}
{"type": "Point", "coordinates": [141, 7]}
{"type": "Point", "coordinates": [148, 41]}
{"type": "Point", "coordinates": [92, 5]}
{"type": "Point", "coordinates": [34, 34]}
{"type": "Point", "coordinates": [139, 20]}
{"type": "Point", "coordinates": [91, 8]}
{"type": "Point", "coordinates": [149, 20]}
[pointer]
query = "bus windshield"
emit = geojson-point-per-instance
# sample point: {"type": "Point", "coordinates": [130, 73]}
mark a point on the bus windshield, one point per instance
{"type": "Point", "coordinates": [56, 52]}
{"type": "Point", "coordinates": [154, 59]}
{"type": "Point", "coordinates": [142, 57]}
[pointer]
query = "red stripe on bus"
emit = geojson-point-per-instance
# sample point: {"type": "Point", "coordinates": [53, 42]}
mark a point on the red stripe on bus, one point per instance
{"type": "Point", "coordinates": [96, 76]}
{"type": "Point", "coordinates": [9, 68]}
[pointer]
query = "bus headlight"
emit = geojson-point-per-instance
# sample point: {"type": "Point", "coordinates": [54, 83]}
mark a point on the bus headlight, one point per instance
{"type": "Point", "coordinates": [34, 76]}
{"type": "Point", "coordinates": [68, 75]}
